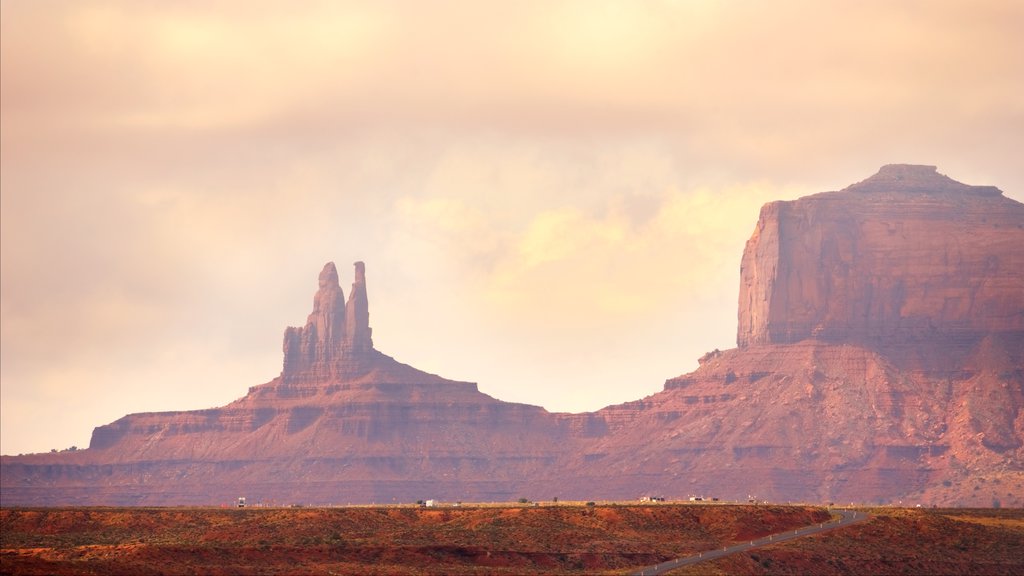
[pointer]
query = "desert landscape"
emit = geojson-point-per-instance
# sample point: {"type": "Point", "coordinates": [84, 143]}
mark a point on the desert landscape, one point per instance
{"type": "Point", "coordinates": [879, 360]}
{"type": "Point", "coordinates": [504, 287]}
{"type": "Point", "coordinates": [564, 538]}
{"type": "Point", "coordinates": [895, 541]}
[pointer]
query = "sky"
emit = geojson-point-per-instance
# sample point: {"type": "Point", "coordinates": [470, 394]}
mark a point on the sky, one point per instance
{"type": "Point", "coordinates": [551, 197]}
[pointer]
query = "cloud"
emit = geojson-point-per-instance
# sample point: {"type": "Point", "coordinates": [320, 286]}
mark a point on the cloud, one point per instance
{"type": "Point", "coordinates": [607, 65]}
{"type": "Point", "coordinates": [576, 265]}
{"type": "Point", "coordinates": [614, 282]}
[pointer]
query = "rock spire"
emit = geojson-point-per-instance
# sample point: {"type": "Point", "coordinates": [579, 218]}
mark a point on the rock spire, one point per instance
{"type": "Point", "coordinates": [357, 322]}
{"type": "Point", "coordinates": [336, 338]}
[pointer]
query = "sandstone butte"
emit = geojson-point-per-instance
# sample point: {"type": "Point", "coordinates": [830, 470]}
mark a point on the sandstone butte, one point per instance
{"type": "Point", "coordinates": [880, 359]}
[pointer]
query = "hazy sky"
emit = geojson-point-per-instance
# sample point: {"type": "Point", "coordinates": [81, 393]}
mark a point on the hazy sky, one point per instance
{"type": "Point", "coordinates": [551, 197]}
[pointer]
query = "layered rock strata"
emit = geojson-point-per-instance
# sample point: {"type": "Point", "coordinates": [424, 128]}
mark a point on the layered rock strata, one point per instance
{"type": "Point", "coordinates": [880, 359]}
{"type": "Point", "coordinates": [905, 257]}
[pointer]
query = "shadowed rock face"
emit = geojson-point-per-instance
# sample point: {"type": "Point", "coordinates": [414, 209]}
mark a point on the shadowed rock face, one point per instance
{"type": "Point", "coordinates": [880, 358]}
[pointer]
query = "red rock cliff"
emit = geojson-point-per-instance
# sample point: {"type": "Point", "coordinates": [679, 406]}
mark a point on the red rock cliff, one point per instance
{"type": "Point", "coordinates": [905, 256]}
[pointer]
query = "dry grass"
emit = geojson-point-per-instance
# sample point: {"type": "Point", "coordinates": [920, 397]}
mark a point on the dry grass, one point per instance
{"type": "Point", "coordinates": [895, 541]}
{"type": "Point", "coordinates": [465, 540]}
{"type": "Point", "coordinates": [1011, 519]}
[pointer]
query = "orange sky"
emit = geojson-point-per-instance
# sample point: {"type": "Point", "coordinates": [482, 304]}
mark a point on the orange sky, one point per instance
{"type": "Point", "coordinates": [551, 197]}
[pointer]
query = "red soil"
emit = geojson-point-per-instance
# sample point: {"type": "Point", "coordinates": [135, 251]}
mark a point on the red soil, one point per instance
{"type": "Point", "coordinates": [465, 540]}
{"type": "Point", "coordinates": [894, 541]}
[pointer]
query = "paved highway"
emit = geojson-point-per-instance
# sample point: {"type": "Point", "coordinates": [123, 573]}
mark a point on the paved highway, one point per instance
{"type": "Point", "coordinates": [846, 517]}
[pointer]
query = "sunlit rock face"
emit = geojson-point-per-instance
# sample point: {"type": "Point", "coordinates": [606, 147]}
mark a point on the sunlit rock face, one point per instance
{"type": "Point", "coordinates": [880, 359]}
{"type": "Point", "coordinates": [881, 349]}
{"type": "Point", "coordinates": [904, 258]}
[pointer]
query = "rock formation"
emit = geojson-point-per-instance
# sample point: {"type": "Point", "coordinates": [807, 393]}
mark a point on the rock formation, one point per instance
{"type": "Point", "coordinates": [880, 359]}
{"type": "Point", "coordinates": [881, 354]}
{"type": "Point", "coordinates": [335, 343]}
{"type": "Point", "coordinates": [342, 423]}
{"type": "Point", "coordinates": [907, 256]}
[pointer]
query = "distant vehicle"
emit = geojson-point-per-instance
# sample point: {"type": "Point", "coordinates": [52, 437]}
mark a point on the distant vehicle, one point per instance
{"type": "Point", "coordinates": [696, 498]}
{"type": "Point", "coordinates": [652, 499]}
{"type": "Point", "coordinates": [241, 501]}
{"type": "Point", "coordinates": [430, 503]}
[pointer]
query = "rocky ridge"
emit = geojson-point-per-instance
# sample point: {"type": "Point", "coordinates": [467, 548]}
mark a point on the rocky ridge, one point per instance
{"type": "Point", "coordinates": [880, 358]}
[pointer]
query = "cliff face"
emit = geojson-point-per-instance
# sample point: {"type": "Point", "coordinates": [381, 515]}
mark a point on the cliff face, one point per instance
{"type": "Point", "coordinates": [907, 257]}
{"type": "Point", "coordinates": [820, 421]}
{"type": "Point", "coordinates": [880, 358]}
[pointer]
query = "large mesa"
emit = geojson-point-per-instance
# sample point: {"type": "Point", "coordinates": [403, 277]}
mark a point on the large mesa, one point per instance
{"type": "Point", "coordinates": [906, 257]}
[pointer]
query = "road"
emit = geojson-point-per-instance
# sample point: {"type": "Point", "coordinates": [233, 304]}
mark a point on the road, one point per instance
{"type": "Point", "coordinates": [846, 517]}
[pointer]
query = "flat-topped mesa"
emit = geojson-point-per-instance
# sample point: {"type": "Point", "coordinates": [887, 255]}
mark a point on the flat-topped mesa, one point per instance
{"type": "Point", "coordinates": [905, 257]}
{"type": "Point", "coordinates": [918, 178]}
{"type": "Point", "coordinates": [336, 338]}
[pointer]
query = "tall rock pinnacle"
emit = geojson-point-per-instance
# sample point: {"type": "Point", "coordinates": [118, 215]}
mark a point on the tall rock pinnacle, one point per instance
{"type": "Point", "coordinates": [328, 316]}
{"type": "Point", "coordinates": [336, 337]}
{"type": "Point", "coordinates": [357, 328]}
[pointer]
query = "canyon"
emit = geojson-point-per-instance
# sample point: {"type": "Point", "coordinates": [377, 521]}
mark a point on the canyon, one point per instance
{"type": "Point", "coordinates": [879, 359]}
